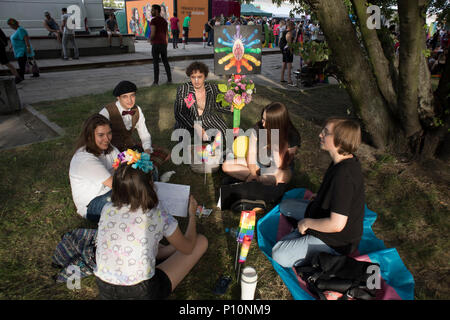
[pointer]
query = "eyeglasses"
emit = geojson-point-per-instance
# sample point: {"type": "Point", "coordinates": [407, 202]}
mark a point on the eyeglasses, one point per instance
{"type": "Point", "coordinates": [325, 132]}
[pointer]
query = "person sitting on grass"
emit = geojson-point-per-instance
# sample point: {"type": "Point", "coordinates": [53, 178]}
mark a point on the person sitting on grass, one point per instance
{"type": "Point", "coordinates": [130, 230]}
{"type": "Point", "coordinates": [333, 221]}
{"type": "Point", "coordinates": [126, 117]}
{"type": "Point", "coordinates": [196, 101]}
{"type": "Point", "coordinates": [91, 168]}
{"type": "Point", "coordinates": [279, 167]}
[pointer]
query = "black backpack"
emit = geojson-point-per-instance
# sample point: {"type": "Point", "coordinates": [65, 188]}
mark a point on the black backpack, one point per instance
{"type": "Point", "coordinates": [342, 274]}
{"type": "Point", "coordinates": [207, 27]}
{"type": "Point", "coordinates": [283, 41]}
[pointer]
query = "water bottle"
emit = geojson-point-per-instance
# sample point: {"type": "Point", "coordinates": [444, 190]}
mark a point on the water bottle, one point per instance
{"type": "Point", "coordinates": [233, 232]}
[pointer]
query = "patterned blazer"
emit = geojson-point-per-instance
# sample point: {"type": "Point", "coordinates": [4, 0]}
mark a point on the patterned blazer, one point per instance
{"type": "Point", "coordinates": [210, 118]}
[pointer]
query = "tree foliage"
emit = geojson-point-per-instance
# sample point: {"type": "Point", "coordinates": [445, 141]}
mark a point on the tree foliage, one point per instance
{"type": "Point", "coordinates": [391, 92]}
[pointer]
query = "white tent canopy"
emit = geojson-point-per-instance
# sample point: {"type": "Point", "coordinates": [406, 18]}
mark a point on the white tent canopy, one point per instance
{"type": "Point", "coordinates": [277, 11]}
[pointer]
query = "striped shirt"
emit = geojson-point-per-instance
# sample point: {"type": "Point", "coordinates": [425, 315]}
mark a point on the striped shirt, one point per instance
{"type": "Point", "coordinates": [210, 117]}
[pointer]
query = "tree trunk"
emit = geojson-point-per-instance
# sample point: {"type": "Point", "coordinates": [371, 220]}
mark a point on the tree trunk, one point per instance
{"type": "Point", "coordinates": [378, 60]}
{"type": "Point", "coordinates": [357, 74]}
{"type": "Point", "coordinates": [408, 90]}
{"type": "Point", "coordinates": [426, 105]}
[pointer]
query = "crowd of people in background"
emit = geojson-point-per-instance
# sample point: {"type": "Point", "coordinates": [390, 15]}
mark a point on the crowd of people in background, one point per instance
{"type": "Point", "coordinates": [438, 45]}
{"type": "Point", "coordinates": [272, 28]}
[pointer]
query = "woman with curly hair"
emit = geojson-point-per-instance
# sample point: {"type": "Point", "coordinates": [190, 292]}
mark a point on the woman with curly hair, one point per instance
{"type": "Point", "coordinates": [196, 101]}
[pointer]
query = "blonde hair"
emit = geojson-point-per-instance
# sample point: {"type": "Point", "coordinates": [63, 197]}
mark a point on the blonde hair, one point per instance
{"type": "Point", "coordinates": [346, 134]}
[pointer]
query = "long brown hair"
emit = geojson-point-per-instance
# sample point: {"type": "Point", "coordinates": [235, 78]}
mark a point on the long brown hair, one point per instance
{"type": "Point", "coordinates": [277, 117]}
{"type": "Point", "coordinates": [87, 135]}
{"type": "Point", "coordinates": [133, 187]}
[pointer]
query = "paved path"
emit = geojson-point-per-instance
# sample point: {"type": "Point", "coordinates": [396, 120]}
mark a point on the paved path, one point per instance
{"type": "Point", "coordinates": [142, 55]}
{"type": "Point", "coordinates": [73, 83]}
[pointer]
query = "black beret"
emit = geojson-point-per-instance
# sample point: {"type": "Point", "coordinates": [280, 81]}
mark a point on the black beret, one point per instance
{"type": "Point", "coordinates": [124, 87]}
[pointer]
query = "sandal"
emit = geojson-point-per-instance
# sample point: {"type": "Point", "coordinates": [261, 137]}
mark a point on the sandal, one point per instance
{"type": "Point", "coordinates": [283, 81]}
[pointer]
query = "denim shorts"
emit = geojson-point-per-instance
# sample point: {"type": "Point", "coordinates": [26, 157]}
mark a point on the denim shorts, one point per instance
{"type": "Point", "coordinates": [158, 287]}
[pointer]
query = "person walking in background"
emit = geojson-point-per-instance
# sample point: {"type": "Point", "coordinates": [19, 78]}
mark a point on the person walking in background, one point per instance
{"type": "Point", "coordinates": [68, 32]}
{"type": "Point", "coordinates": [4, 59]}
{"type": "Point", "coordinates": [276, 32]}
{"type": "Point", "coordinates": [287, 38]}
{"type": "Point", "coordinates": [186, 25]}
{"type": "Point", "coordinates": [21, 45]}
{"type": "Point", "coordinates": [175, 30]}
{"type": "Point", "coordinates": [112, 28]}
{"type": "Point", "coordinates": [159, 40]}
{"type": "Point", "coordinates": [209, 27]}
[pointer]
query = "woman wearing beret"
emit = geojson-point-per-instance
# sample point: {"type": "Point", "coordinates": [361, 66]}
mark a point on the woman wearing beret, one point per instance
{"type": "Point", "coordinates": [126, 117]}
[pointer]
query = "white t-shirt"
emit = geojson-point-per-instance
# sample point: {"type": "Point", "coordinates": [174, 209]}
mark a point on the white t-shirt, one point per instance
{"type": "Point", "coordinates": [87, 174]}
{"type": "Point", "coordinates": [141, 128]}
{"type": "Point", "coordinates": [68, 29]}
{"type": "Point", "coordinates": [127, 243]}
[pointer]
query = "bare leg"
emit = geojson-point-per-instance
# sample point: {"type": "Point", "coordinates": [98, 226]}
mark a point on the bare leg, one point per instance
{"type": "Point", "coordinates": [283, 68]}
{"type": "Point", "coordinates": [165, 251]}
{"type": "Point", "coordinates": [280, 176]}
{"type": "Point", "coordinates": [178, 265]}
{"type": "Point", "coordinates": [289, 70]}
{"type": "Point", "coordinates": [236, 168]}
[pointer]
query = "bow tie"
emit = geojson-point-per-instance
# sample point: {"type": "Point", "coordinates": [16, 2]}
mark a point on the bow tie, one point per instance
{"type": "Point", "coordinates": [130, 112]}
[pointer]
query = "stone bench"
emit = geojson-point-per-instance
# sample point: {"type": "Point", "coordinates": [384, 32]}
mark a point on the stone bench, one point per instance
{"type": "Point", "coordinates": [88, 45]}
{"type": "Point", "coordinates": [9, 97]}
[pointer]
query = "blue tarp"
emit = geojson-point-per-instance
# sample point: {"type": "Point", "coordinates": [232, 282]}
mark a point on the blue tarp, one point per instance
{"type": "Point", "coordinates": [397, 281]}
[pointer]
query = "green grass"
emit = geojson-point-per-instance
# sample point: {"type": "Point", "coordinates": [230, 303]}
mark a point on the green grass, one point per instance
{"type": "Point", "coordinates": [36, 206]}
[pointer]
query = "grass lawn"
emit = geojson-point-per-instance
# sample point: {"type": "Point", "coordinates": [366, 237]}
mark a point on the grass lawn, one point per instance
{"type": "Point", "coordinates": [36, 206]}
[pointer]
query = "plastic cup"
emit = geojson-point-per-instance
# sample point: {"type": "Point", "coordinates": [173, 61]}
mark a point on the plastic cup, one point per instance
{"type": "Point", "coordinates": [249, 278]}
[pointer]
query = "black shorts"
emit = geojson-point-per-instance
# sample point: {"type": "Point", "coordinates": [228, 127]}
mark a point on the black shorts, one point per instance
{"type": "Point", "coordinates": [157, 288]}
{"type": "Point", "coordinates": [288, 57]}
{"type": "Point", "coordinates": [3, 57]}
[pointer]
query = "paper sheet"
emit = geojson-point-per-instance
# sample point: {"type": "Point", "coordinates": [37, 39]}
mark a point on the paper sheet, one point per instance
{"type": "Point", "coordinates": [173, 197]}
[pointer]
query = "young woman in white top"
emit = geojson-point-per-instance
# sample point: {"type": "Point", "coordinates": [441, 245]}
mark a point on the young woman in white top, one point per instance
{"type": "Point", "coordinates": [130, 229]}
{"type": "Point", "coordinates": [91, 169]}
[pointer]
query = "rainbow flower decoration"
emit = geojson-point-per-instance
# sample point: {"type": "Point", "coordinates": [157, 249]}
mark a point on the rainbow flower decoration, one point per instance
{"type": "Point", "coordinates": [135, 159]}
{"type": "Point", "coordinates": [238, 92]}
{"type": "Point", "coordinates": [239, 50]}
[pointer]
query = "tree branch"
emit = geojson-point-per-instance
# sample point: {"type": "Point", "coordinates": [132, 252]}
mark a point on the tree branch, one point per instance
{"type": "Point", "coordinates": [378, 60]}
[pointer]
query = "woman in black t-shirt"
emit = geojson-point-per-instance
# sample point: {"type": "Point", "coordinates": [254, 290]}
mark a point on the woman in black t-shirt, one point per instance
{"type": "Point", "coordinates": [333, 221]}
{"type": "Point", "coordinates": [267, 161]}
